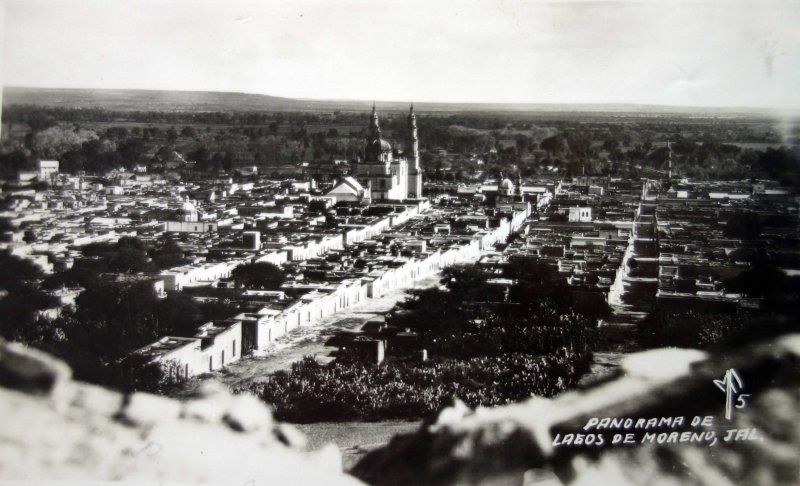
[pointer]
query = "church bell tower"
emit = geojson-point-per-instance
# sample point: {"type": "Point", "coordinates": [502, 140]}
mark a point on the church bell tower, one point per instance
{"type": "Point", "coordinates": [412, 157]}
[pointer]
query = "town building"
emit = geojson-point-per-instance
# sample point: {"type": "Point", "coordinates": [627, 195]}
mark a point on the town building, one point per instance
{"type": "Point", "coordinates": [47, 170]}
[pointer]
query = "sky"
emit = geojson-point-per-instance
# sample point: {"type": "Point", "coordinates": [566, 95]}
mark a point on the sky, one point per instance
{"type": "Point", "coordinates": [707, 53]}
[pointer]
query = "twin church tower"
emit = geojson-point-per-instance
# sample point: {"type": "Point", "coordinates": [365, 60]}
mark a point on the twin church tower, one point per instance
{"type": "Point", "coordinates": [387, 177]}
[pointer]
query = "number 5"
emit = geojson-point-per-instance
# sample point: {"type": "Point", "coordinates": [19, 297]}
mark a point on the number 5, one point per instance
{"type": "Point", "coordinates": [741, 402]}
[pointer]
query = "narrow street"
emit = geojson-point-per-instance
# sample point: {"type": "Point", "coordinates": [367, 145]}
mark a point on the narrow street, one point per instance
{"type": "Point", "coordinates": [633, 299]}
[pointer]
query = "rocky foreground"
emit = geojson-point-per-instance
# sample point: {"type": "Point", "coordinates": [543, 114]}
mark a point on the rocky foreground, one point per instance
{"type": "Point", "coordinates": [677, 432]}
{"type": "Point", "coordinates": [56, 428]}
{"type": "Point", "coordinates": [670, 429]}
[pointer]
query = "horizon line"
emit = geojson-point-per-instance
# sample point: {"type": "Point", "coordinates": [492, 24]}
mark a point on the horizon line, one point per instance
{"type": "Point", "coordinates": [634, 104]}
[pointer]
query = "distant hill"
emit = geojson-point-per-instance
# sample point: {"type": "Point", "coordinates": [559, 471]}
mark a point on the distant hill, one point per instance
{"type": "Point", "coordinates": [146, 100]}
{"type": "Point", "coordinates": [203, 101]}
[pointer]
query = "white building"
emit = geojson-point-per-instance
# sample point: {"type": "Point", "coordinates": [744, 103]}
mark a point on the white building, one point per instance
{"type": "Point", "coordinates": [580, 215]}
{"type": "Point", "coordinates": [47, 169]}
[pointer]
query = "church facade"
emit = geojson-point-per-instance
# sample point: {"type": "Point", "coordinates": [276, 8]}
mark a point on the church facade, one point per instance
{"type": "Point", "coordinates": [384, 176]}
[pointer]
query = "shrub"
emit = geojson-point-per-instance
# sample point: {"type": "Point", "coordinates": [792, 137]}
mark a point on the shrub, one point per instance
{"type": "Point", "coordinates": [404, 390]}
{"type": "Point", "coordinates": [689, 329]}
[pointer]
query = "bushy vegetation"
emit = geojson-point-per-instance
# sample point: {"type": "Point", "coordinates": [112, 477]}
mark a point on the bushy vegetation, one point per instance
{"type": "Point", "coordinates": [261, 275]}
{"type": "Point", "coordinates": [689, 329]}
{"type": "Point", "coordinates": [355, 390]}
{"type": "Point", "coordinates": [779, 291]}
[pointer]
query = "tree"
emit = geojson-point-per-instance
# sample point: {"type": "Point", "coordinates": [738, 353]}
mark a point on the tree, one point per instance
{"type": "Point", "coordinates": [746, 226]}
{"type": "Point", "coordinates": [12, 162]}
{"type": "Point", "coordinates": [580, 143]}
{"type": "Point", "coordinates": [262, 275]}
{"type": "Point", "coordinates": [129, 257]}
{"type": "Point", "coordinates": [168, 255]}
{"type": "Point", "coordinates": [6, 225]}
{"type": "Point", "coordinates": [782, 164]}
{"type": "Point", "coordinates": [54, 141]}
{"type": "Point", "coordinates": [178, 314]}
{"type": "Point", "coordinates": [552, 144]}
{"type": "Point", "coordinates": [172, 135]}
{"type": "Point", "coordinates": [781, 293]}
{"type": "Point", "coordinates": [19, 279]}
{"type": "Point", "coordinates": [18, 312]}
{"type": "Point", "coordinates": [188, 132]}
{"type": "Point", "coordinates": [317, 206]}
{"type": "Point", "coordinates": [76, 276]}
{"type": "Point", "coordinates": [689, 329]}
{"type": "Point", "coordinates": [132, 151]}
{"type": "Point", "coordinates": [610, 145]}
{"type": "Point", "coordinates": [228, 162]}
{"type": "Point", "coordinates": [98, 249]}
{"type": "Point", "coordinates": [40, 120]}
{"type": "Point", "coordinates": [73, 161]}
{"type": "Point", "coordinates": [468, 282]}
{"type": "Point", "coordinates": [17, 273]}
{"type": "Point", "coordinates": [202, 157]}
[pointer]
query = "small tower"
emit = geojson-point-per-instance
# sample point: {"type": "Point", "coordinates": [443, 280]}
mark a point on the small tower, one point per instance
{"type": "Point", "coordinates": [669, 160]}
{"type": "Point", "coordinates": [376, 149]}
{"type": "Point", "coordinates": [412, 157]}
{"type": "Point", "coordinates": [374, 127]}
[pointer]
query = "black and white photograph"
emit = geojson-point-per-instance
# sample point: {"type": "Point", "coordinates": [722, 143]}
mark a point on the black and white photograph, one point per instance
{"type": "Point", "coordinates": [400, 243]}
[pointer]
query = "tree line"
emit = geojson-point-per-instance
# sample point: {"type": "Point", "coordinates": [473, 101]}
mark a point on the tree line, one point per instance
{"type": "Point", "coordinates": [97, 141]}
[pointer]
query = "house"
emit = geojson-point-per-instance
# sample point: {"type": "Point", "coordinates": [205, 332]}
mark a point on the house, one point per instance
{"type": "Point", "coordinates": [220, 344]}
{"type": "Point", "coordinates": [349, 190]}
{"type": "Point", "coordinates": [47, 169]}
{"type": "Point", "coordinates": [580, 214]}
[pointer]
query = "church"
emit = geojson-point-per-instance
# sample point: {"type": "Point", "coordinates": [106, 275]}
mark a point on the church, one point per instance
{"type": "Point", "coordinates": [380, 176]}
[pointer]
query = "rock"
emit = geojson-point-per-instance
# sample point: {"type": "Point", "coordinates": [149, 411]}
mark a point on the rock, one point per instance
{"type": "Point", "coordinates": [790, 344]}
{"type": "Point", "coordinates": [29, 370]}
{"type": "Point", "coordinates": [452, 414]}
{"type": "Point", "coordinates": [328, 457]}
{"type": "Point", "coordinates": [96, 401]}
{"type": "Point", "coordinates": [144, 409]}
{"type": "Point", "coordinates": [516, 444]}
{"type": "Point", "coordinates": [246, 413]}
{"type": "Point", "coordinates": [211, 389]}
{"type": "Point", "coordinates": [97, 435]}
{"type": "Point", "coordinates": [209, 403]}
{"type": "Point", "coordinates": [290, 436]}
{"type": "Point", "coordinates": [661, 364]}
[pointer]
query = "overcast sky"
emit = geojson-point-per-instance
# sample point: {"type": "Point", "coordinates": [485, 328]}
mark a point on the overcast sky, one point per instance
{"type": "Point", "coordinates": [709, 53]}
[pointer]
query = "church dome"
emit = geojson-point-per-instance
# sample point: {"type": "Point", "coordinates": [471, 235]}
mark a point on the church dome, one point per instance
{"type": "Point", "coordinates": [384, 145]}
{"type": "Point", "coordinates": [376, 148]}
{"type": "Point", "coordinates": [188, 207]}
{"type": "Point", "coordinates": [507, 184]}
